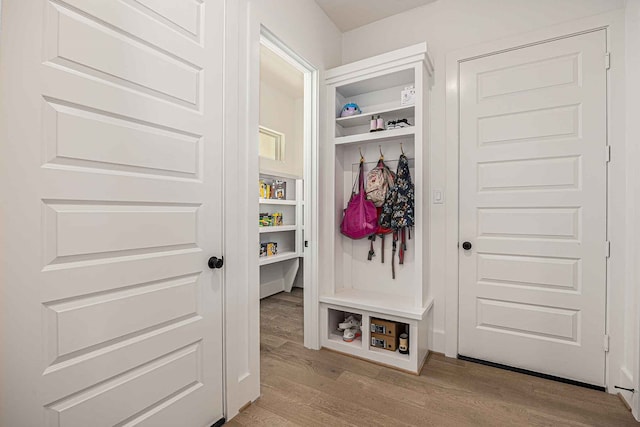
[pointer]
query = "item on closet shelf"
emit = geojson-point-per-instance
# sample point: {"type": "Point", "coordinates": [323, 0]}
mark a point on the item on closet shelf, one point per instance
{"type": "Point", "coordinates": [277, 219]}
{"type": "Point", "coordinates": [408, 96]}
{"type": "Point", "coordinates": [403, 346]}
{"type": "Point", "coordinates": [269, 220]}
{"type": "Point", "coordinates": [398, 210]}
{"type": "Point", "coordinates": [402, 123]}
{"type": "Point", "coordinates": [379, 124]}
{"type": "Point", "coordinates": [272, 248]}
{"type": "Point", "coordinates": [351, 328]}
{"type": "Point", "coordinates": [398, 124]}
{"type": "Point", "coordinates": [351, 334]}
{"type": "Point", "coordinates": [263, 250]}
{"type": "Point", "coordinates": [373, 124]}
{"type": "Point", "coordinates": [360, 218]}
{"type": "Point", "coordinates": [264, 189]}
{"type": "Point", "coordinates": [385, 342]}
{"type": "Point", "coordinates": [350, 109]}
{"type": "Point", "coordinates": [265, 220]}
{"type": "Point", "coordinates": [349, 322]}
{"type": "Point", "coordinates": [384, 327]}
{"type": "Point", "coordinates": [279, 189]}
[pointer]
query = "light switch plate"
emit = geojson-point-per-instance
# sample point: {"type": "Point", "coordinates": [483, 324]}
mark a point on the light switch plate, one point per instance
{"type": "Point", "coordinates": [438, 196]}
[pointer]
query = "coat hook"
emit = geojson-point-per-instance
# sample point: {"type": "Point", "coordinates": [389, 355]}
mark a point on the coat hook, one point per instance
{"type": "Point", "coordinates": [401, 149]}
{"type": "Point", "coordinates": [381, 155]}
{"type": "Point", "coordinates": [361, 156]}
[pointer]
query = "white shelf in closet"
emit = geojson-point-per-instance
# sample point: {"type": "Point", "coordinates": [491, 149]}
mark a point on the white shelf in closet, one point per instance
{"type": "Point", "coordinates": [277, 258]}
{"type": "Point", "coordinates": [275, 229]}
{"type": "Point", "coordinates": [382, 136]}
{"type": "Point", "coordinates": [336, 337]}
{"type": "Point", "coordinates": [393, 305]}
{"type": "Point", "coordinates": [278, 202]}
{"type": "Point", "coordinates": [364, 118]}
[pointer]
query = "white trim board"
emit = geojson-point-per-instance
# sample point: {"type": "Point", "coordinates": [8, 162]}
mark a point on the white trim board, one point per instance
{"type": "Point", "coordinates": [311, 159]}
{"type": "Point", "coordinates": [612, 22]}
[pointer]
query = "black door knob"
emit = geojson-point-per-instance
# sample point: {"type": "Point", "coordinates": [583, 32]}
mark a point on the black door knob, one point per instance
{"type": "Point", "coordinates": [466, 246]}
{"type": "Point", "coordinates": [215, 262]}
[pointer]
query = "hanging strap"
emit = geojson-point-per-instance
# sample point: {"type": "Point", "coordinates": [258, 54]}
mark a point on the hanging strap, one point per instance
{"type": "Point", "coordinates": [361, 176]}
{"type": "Point", "coordinates": [371, 254]}
{"type": "Point", "coordinates": [393, 255]}
{"type": "Point", "coordinates": [403, 247]}
{"type": "Point", "coordinates": [382, 248]}
{"type": "Point", "coordinates": [359, 180]}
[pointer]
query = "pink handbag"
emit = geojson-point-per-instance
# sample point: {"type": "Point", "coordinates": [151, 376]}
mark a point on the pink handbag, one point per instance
{"type": "Point", "coordinates": [360, 217]}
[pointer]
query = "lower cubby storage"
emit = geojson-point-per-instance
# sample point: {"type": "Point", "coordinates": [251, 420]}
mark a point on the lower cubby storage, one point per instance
{"type": "Point", "coordinates": [334, 334]}
{"type": "Point", "coordinates": [418, 331]}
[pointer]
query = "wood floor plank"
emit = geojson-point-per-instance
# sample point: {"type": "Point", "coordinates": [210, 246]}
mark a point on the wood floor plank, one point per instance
{"type": "Point", "coordinates": [308, 388]}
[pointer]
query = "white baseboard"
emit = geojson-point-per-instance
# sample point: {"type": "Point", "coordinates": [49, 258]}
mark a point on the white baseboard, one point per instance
{"type": "Point", "coordinates": [437, 343]}
{"type": "Point", "coordinates": [625, 380]}
{"type": "Point", "coordinates": [270, 288]}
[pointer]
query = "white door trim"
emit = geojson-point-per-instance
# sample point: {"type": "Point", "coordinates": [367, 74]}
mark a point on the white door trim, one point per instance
{"type": "Point", "coordinates": [311, 310]}
{"type": "Point", "coordinates": [613, 23]}
{"type": "Point", "coordinates": [242, 296]}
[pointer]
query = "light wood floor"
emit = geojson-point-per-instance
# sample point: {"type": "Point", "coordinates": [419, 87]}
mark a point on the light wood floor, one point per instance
{"type": "Point", "coordinates": [308, 388]}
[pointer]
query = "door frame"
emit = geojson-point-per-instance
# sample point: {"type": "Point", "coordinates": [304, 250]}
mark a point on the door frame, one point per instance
{"type": "Point", "coordinates": [310, 175]}
{"type": "Point", "coordinates": [613, 24]}
{"type": "Point", "coordinates": [242, 279]}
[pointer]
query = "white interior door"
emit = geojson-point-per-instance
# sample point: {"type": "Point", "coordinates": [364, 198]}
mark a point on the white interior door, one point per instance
{"type": "Point", "coordinates": [533, 206]}
{"type": "Point", "coordinates": [111, 208]}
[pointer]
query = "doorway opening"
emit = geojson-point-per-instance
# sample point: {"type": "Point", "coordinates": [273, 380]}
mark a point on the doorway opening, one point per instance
{"type": "Point", "coordinates": [287, 150]}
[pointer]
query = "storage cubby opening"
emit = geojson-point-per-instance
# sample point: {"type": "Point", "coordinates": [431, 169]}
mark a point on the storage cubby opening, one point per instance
{"type": "Point", "coordinates": [335, 317]}
{"type": "Point", "coordinates": [378, 96]}
{"type": "Point", "coordinates": [286, 240]}
{"type": "Point", "coordinates": [384, 336]}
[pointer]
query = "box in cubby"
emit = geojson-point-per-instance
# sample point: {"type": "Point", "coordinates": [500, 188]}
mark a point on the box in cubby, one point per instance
{"type": "Point", "coordinates": [385, 327]}
{"type": "Point", "coordinates": [384, 341]}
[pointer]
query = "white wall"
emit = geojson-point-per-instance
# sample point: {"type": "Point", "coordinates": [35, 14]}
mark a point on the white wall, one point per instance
{"type": "Point", "coordinates": [630, 371]}
{"type": "Point", "coordinates": [448, 25]}
{"type": "Point", "coordinates": [283, 113]}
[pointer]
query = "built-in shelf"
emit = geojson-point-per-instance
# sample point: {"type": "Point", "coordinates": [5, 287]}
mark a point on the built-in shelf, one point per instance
{"type": "Point", "coordinates": [390, 354]}
{"type": "Point", "coordinates": [275, 229]}
{"type": "Point", "coordinates": [364, 118]}
{"type": "Point", "coordinates": [336, 337]}
{"type": "Point", "coordinates": [390, 304]}
{"type": "Point", "coordinates": [278, 202]}
{"type": "Point", "coordinates": [277, 258]}
{"type": "Point", "coordinates": [382, 136]}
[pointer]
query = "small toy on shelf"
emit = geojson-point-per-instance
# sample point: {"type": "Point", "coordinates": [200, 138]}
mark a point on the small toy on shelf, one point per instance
{"type": "Point", "coordinates": [350, 109]}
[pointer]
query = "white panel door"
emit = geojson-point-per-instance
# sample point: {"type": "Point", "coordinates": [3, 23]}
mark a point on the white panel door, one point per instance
{"type": "Point", "coordinates": [533, 206]}
{"type": "Point", "coordinates": [111, 173]}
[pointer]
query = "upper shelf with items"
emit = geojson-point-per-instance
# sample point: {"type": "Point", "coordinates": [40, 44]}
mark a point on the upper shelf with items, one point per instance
{"type": "Point", "coordinates": [368, 106]}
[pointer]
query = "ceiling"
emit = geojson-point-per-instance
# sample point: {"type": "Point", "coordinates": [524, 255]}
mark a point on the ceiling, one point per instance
{"type": "Point", "coordinates": [350, 14]}
{"type": "Point", "coordinates": [280, 74]}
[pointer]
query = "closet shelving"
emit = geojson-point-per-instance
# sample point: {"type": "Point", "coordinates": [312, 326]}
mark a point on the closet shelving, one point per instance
{"type": "Point", "coordinates": [280, 270]}
{"type": "Point", "coordinates": [275, 202]}
{"type": "Point", "coordinates": [366, 287]}
{"type": "Point", "coordinates": [277, 229]}
{"type": "Point", "coordinates": [383, 136]}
